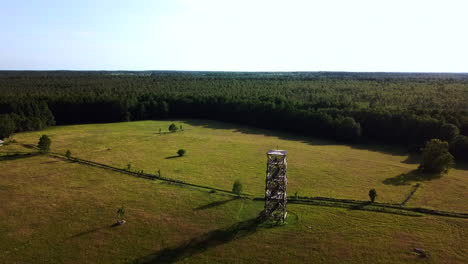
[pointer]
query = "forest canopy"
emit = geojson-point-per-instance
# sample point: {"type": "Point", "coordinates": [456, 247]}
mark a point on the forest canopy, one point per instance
{"type": "Point", "coordinates": [398, 108]}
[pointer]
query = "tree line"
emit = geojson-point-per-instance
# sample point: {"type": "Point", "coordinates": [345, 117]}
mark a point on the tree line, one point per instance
{"type": "Point", "coordinates": [401, 109]}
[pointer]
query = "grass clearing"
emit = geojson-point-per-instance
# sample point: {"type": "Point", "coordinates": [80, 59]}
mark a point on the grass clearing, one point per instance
{"type": "Point", "coordinates": [55, 211]}
{"type": "Point", "coordinates": [219, 153]}
{"type": "Point", "coordinates": [61, 212]}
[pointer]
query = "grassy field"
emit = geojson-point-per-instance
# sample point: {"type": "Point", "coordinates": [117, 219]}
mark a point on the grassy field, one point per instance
{"type": "Point", "coordinates": [219, 153]}
{"type": "Point", "coordinates": [55, 211]}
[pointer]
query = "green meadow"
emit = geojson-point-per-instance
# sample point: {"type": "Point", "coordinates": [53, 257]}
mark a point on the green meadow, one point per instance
{"type": "Point", "coordinates": [56, 211]}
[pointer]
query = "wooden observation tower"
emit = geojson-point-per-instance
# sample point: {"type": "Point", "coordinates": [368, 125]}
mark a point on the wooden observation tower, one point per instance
{"type": "Point", "coordinates": [275, 189]}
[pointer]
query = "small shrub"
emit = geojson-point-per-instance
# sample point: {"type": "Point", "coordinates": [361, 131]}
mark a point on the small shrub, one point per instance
{"type": "Point", "coordinates": [173, 128]}
{"type": "Point", "coordinates": [372, 194]}
{"type": "Point", "coordinates": [68, 154]}
{"type": "Point", "coordinates": [237, 187]}
{"type": "Point", "coordinates": [129, 166]}
{"type": "Point", "coordinates": [120, 213]}
{"type": "Point", "coordinates": [181, 152]}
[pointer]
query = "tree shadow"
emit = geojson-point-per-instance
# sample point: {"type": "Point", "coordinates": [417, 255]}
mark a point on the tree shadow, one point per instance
{"type": "Point", "coordinates": [93, 230]}
{"type": "Point", "coordinates": [29, 146]}
{"type": "Point", "coordinates": [412, 176]}
{"type": "Point", "coordinates": [202, 243]}
{"type": "Point", "coordinates": [173, 157]}
{"type": "Point", "coordinates": [17, 156]}
{"type": "Point", "coordinates": [50, 161]}
{"type": "Point", "coordinates": [360, 206]}
{"type": "Point", "coordinates": [162, 133]}
{"type": "Point", "coordinates": [315, 141]}
{"type": "Point", "coordinates": [215, 204]}
{"type": "Point", "coordinates": [412, 159]}
{"type": "Point", "coordinates": [461, 165]}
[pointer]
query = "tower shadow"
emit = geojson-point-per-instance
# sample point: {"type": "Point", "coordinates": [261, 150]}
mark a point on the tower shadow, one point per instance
{"type": "Point", "coordinates": [200, 244]}
{"type": "Point", "coordinates": [215, 204]}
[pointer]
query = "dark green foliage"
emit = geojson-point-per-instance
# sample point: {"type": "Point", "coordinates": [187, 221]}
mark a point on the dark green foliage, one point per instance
{"type": "Point", "coordinates": [68, 154]}
{"type": "Point", "coordinates": [7, 126]}
{"type": "Point", "coordinates": [17, 115]}
{"type": "Point", "coordinates": [348, 130]}
{"type": "Point", "coordinates": [448, 132]}
{"type": "Point", "coordinates": [173, 128]}
{"type": "Point", "coordinates": [44, 144]}
{"type": "Point", "coordinates": [436, 157]}
{"type": "Point", "coordinates": [237, 187]}
{"type": "Point", "coordinates": [388, 107]}
{"type": "Point", "coordinates": [181, 152]}
{"type": "Point", "coordinates": [372, 195]}
{"type": "Point", "coordinates": [459, 147]}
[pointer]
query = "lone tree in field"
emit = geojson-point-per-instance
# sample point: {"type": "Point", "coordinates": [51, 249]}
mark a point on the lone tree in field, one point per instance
{"type": "Point", "coordinates": [68, 154]}
{"type": "Point", "coordinates": [372, 194]}
{"type": "Point", "coordinates": [173, 128]}
{"type": "Point", "coordinates": [121, 215]}
{"type": "Point", "coordinates": [435, 157]}
{"type": "Point", "coordinates": [237, 187]}
{"type": "Point", "coordinates": [181, 152]}
{"type": "Point", "coordinates": [44, 144]}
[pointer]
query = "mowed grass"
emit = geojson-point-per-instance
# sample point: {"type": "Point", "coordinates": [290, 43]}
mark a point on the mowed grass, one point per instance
{"type": "Point", "coordinates": [55, 211]}
{"type": "Point", "coordinates": [219, 153]}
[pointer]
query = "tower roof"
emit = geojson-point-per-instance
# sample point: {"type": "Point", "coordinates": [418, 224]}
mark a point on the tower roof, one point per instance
{"type": "Point", "coordinates": [277, 152]}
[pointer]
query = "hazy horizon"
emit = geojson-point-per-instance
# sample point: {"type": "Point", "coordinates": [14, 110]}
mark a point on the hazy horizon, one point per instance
{"type": "Point", "coordinates": [235, 36]}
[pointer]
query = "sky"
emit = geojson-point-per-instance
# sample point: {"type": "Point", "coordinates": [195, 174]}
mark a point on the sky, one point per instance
{"type": "Point", "coordinates": [235, 35]}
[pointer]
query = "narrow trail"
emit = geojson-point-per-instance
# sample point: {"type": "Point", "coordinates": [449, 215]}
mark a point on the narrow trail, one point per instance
{"type": "Point", "coordinates": [410, 195]}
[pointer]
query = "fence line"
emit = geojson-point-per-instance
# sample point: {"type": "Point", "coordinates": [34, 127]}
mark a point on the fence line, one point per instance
{"type": "Point", "coordinates": [148, 176]}
{"type": "Point", "coordinates": [357, 204]}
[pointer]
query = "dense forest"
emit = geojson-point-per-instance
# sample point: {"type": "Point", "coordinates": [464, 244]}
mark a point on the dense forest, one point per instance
{"type": "Point", "coordinates": [396, 108]}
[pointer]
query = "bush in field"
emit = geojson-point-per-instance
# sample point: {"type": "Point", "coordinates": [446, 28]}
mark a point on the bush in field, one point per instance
{"type": "Point", "coordinates": [181, 152]}
{"type": "Point", "coordinates": [68, 154]}
{"type": "Point", "coordinates": [372, 194]}
{"type": "Point", "coordinates": [237, 187]}
{"type": "Point", "coordinates": [173, 128]}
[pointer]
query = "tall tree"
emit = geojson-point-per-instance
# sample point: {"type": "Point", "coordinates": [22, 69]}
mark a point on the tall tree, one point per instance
{"type": "Point", "coordinates": [436, 157]}
{"type": "Point", "coordinates": [44, 144]}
